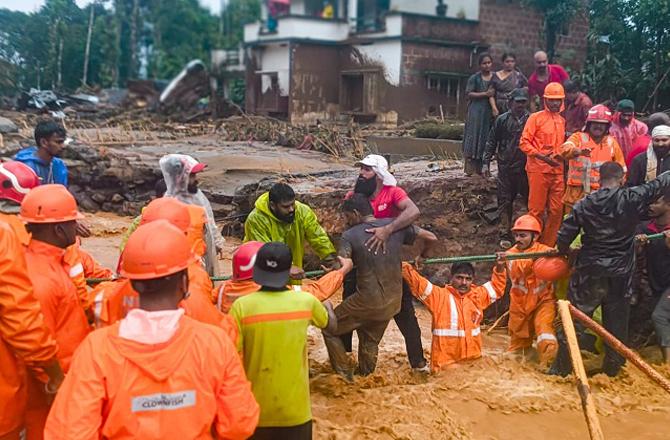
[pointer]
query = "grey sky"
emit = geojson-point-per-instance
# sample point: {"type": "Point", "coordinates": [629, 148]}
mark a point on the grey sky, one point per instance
{"type": "Point", "coordinates": [32, 5]}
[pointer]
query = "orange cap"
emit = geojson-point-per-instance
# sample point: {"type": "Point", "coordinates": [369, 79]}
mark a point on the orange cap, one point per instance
{"type": "Point", "coordinates": [155, 250]}
{"type": "Point", "coordinates": [51, 203]}
{"type": "Point", "coordinates": [551, 268]}
{"type": "Point", "coordinates": [527, 223]}
{"type": "Point", "coordinates": [167, 208]}
{"type": "Point", "coordinates": [554, 90]}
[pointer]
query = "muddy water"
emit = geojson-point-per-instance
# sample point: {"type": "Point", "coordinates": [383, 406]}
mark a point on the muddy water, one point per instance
{"type": "Point", "coordinates": [497, 397]}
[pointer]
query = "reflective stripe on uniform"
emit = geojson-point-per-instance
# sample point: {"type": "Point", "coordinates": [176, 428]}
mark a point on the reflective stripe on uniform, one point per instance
{"type": "Point", "coordinates": [545, 337]}
{"type": "Point", "coordinates": [427, 291]}
{"type": "Point", "coordinates": [455, 333]}
{"type": "Point", "coordinates": [283, 316]}
{"type": "Point", "coordinates": [75, 270]}
{"type": "Point", "coordinates": [454, 312]}
{"type": "Point", "coordinates": [491, 291]}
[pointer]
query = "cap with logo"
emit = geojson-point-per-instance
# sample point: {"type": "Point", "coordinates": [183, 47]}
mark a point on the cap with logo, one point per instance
{"type": "Point", "coordinates": [519, 95]}
{"type": "Point", "coordinates": [273, 264]}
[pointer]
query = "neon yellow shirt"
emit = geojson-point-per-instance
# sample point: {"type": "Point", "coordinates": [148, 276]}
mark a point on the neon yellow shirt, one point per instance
{"type": "Point", "coordinates": [273, 343]}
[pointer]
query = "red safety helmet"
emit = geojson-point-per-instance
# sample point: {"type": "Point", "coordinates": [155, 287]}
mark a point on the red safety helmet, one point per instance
{"type": "Point", "coordinates": [527, 223]}
{"type": "Point", "coordinates": [244, 259]}
{"type": "Point", "coordinates": [16, 180]}
{"type": "Point", "coordinates": [599, 113]}
{"type": "Point", "coordinates": [551, 268]}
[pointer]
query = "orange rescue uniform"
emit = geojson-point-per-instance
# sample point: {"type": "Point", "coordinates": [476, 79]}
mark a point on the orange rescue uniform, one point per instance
{"type": "Point", "coordinates": [532, 307]}
{"type": "Point", "coordinates": [25, 340]}
{"type": "Point", "coordinates": [584, 171]}
{"type": "Point", "coordinates": [117, 298]}
{"type": "Point", "coordinates": [63, 313]}
{"type": "Point", "coordinates": [456, 316]}
{"type": "Point", "coordinates": [544, 133]}
{"type": "Point", "coordinates": [185, 388]}
{"type": "Point", "coordinates": [196, 230]}
{"type": "Point", "coordinates": [322, 289]}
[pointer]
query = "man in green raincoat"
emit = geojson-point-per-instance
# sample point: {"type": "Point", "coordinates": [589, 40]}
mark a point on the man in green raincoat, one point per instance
{"type": "Point", "coordinates": [277, 216]}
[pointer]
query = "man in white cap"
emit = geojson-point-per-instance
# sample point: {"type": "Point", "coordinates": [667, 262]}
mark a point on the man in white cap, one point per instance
{"type": "Point", "coordinates": [645, 167]}
{"type": "Point", "coordinates": [388, 201]}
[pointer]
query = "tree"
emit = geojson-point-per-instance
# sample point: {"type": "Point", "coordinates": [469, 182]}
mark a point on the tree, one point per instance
{"type": "Point", "coordinates": [557, 15]}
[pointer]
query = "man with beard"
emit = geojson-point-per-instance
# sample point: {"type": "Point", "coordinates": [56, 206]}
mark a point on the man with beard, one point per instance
{"type": "Point", "coordinates": [180, 176]}
{"type": "Point", "coordinates": [278, 216]}
{"type": "Point", "coordinates": [655, 161]}
{"type": "Point", "coordinates": [388, 202]}
{"type": "Point", "coordinates": [625, 127]}
{"type": "Point", "coordinates": [543, 75]}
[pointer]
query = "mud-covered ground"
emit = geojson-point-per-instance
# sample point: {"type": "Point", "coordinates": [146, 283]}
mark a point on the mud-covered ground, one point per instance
{"type": "Point", "coordinates": [496, 397]}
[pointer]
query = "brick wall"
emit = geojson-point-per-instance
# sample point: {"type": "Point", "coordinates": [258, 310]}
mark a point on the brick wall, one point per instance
{"type": "Point", "coordinates": [513, 27]}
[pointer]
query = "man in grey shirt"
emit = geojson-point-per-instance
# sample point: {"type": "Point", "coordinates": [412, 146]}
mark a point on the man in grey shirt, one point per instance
{"type": "Point", "coordinates": [379, 285]}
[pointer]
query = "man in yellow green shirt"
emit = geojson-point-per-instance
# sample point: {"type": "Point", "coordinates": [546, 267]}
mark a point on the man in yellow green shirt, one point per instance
{"type": "Point", "coordinates": [272, 326]}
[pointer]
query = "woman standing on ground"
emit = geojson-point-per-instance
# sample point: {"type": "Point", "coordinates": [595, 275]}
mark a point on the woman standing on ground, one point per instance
{"type": "Point", "coordinates": [504, 81]}
{"type": "Point", "coordinates": [480, 114]}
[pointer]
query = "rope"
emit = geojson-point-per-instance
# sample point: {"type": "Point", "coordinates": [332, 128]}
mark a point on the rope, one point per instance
{"type": "Point", "coordinates": [437, 260]}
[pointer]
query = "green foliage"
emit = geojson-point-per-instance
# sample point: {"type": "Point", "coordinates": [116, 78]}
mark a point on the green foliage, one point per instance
{"type": "Point", "coordinates": [168, 33]}
{"type": "Point", "coordinates": [557, 15]}
{"type": "Point", "coordinates": [433, 130]}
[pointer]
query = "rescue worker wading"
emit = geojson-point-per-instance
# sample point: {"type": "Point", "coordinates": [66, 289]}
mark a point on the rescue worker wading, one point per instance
{"type": "Point", "coordinates": [586, 151]}
{"type": "Point", "coordinates": [50, 212]}
{"type": "Point", "coordinates": [604, 268]}
{"type": "Point", "coordinates": [541, 139]}
{"type": "Point", "coordinates": [532, 307]}
{"type": "Point", "coordinates": [157, 373]}
{"type": "Point", "coordinates": [457, 311]}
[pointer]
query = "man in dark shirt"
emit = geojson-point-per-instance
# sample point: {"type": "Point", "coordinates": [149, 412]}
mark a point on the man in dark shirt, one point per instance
{"type": "Point", "coordinates": [379, 282]}
{"type": "Point", "coordinates": [503, 143]}
{"type": "Point", "coordinates": [603, 272]}
{"type": "Point", "coordinates": [642, 167]}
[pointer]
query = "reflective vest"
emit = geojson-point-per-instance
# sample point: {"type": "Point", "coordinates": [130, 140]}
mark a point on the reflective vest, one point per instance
{"type": "Point", "coordinates": [585, 171]}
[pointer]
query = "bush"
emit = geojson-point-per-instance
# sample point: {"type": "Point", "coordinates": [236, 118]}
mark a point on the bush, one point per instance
{"type": "Point", "coordinates": [439, 131]}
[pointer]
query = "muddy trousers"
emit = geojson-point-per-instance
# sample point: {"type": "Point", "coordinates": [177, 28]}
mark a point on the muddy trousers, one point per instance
{"type": "Point", "coordinates": [545, 203]}
{"type": "Point", "coordinates": [299, 432]}
{"type": "Point", "coordinates": [536, 326]}
{"type": "Point", "coordinates": [587, 292]}
{"type": "Point", "coordinates": [510, 185]}
{"type": "Point", "coordinates": [661, 318]}
{"type": "Point", "coordinates": [405, 320]}
{"type": "Point", "coordinates": [370, 334]}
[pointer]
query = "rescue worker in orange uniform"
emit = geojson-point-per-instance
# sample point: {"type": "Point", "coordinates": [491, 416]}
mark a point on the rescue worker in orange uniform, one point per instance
{"type": "Point", "coordinates": [586, 151]}
{"type": "Point", "coordinates": [457, 310]}
{"type": "Point", "coordinates": [242, 283]}
{"type": "Point", "coordinates": [51, 214]}
{"type": "Point", "coordinates": [156, 373]}
{"type": "Point", "coordinates": [117, 298]}
{"type": "Point", "coordinates": [532, 307]}
{"type": "Point", "coordinates": [25, 340]}
{"type": "Point", "coordinates": [541, 139]}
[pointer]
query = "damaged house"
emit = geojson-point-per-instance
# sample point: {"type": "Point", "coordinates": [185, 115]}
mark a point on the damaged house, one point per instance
{"type": "Point", "coordinates": [385, 61]}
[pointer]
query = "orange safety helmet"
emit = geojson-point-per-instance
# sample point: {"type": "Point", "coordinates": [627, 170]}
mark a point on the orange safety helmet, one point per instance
{"type": "Point", "coordinates": [167, 208]}
{"type": "Point", "coordinates": [554, 90]}
{"type": "Point", "coordinates": [527, 223]}
{"type": "Point", "coordinates": [51, 203]}
{"type": "Point", "coordinates": [599, 113]}
{"type": "Point", "coordinates": [244, 258]}
{"type": "Point", "coordinates": [551, 268]}
{"type": "Point", "coordinates": [16, 180]}
{"type": "Point", "coordinates": [155, 250]}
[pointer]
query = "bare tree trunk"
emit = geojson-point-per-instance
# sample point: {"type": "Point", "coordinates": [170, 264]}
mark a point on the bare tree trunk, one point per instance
{"type": "Point", "coordinates": [59, 82]}
{"type": "Point", "coordinates": [118, 24]}
{"type": "Point", "coordinates": [133, 38]}
{"type": "Point", "coordinates": [87, 52]}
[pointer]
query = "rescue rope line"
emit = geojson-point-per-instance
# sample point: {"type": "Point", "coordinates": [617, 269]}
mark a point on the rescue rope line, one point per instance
{"type": "Point", "coordinates": [437, 260]}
